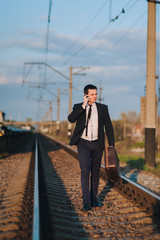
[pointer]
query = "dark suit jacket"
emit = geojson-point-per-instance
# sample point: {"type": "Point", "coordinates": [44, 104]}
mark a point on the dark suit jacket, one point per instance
{"type": "Point", "coordinates": [78, 115]}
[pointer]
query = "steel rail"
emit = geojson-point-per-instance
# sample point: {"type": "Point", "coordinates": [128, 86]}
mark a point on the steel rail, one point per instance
{"type": "Point", "coordinates": [141, 187]}
{"type": "Point", "coordinates": [36, 232]}
{"type": "Point", "coordinates": [134, 191]}
{"type": "Point", "coordinates": [138, 185]}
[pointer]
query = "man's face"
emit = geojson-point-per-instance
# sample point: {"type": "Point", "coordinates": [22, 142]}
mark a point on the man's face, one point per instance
{"type": "Point", "coordinates": [92, 94]}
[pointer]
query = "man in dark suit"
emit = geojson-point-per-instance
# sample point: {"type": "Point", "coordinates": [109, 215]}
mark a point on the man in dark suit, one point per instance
{"type": "Point", "coordinates": [91, 118]}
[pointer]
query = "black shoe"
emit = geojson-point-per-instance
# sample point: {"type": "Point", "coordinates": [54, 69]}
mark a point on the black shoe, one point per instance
{"type": "Point", "coordinates": [96, 204]}
{"type": "Point", "coordinates": [86, 207]}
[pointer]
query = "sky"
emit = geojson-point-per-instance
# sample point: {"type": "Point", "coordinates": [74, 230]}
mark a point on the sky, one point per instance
{"type": "Point", "coordinates": [103, 39]}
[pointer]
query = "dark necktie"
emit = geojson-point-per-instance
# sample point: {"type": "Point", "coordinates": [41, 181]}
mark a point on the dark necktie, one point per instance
{"type": "Point", "coordinates": [88, 118]}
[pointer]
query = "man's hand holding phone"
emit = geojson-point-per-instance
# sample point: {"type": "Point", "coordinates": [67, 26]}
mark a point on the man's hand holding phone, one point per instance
{"type": "Point", "coordinates": [85, 100]}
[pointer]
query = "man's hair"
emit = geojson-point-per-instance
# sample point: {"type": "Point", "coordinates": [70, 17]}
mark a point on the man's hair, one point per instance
{"type": "Point", "coordinates": [87, 87]}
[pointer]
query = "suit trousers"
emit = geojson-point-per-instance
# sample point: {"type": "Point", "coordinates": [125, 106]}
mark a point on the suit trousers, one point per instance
{"type": "Point", "coordinates": [89, 155]}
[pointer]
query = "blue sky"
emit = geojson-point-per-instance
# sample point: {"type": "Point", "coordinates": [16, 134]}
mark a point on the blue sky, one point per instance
{"type": "Point", "coordinates": [81, 34]}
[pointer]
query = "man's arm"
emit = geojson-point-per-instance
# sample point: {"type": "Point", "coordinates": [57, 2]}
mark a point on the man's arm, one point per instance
{"type": "Point", "coordinates": [76, 112]}
{"type": "Point", "coordinates": [109, 127]}
{"type": "Point", "coordinates": [78, 109]}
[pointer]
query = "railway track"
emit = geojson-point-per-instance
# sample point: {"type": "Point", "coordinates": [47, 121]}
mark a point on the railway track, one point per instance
{"type": "Point", "coordinates": [60, 194]}
{"type": "Point", "coordinates": [60, 202]}
{"type": "Point", "coordinates": [16, 190]}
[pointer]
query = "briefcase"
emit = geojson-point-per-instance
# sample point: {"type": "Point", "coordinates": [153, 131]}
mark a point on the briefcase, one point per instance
{"type": "Point", "coordinates": [111, 164]}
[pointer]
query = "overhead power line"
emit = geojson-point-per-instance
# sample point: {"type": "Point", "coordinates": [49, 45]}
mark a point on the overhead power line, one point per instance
{"type": "Point", "coordinates": [98, 33]}
{"type": "Point", "coordinates": [49, 14]}
{"type": "Point", "coordinates": [47, 37]}
{"type": "Point", "coordinates": [113, 19]}
{"type": "Point", "coordinates": [47, 44]}
{"type": "Point", "coordinates": [85, 29]}
{"type": "Point", "coordinates": [110, 10]}
{"type": "Point", "coordinates": [123, 35]}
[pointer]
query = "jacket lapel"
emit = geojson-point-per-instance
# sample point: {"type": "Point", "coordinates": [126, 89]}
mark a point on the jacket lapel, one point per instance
{"type": "Point", "coordinates": [99, 114]}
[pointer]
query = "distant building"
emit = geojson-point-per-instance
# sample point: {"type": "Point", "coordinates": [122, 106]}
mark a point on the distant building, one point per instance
{"type": "Point", "coordinates": [138, 131]}
{"type": "Point", "coordinates": [2, 116]}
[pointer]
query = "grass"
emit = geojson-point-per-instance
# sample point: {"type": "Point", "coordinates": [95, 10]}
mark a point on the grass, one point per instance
{"type": "Point", "coordinates": [139, 163]}
{"type": "Point", "coordinates": [132, 161]}
{"type": "Point", "coordinates": [136, 145]}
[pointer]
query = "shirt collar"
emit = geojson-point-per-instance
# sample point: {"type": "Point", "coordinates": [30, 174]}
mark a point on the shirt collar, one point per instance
{"type": "Point", "coordinates": [92, 104]}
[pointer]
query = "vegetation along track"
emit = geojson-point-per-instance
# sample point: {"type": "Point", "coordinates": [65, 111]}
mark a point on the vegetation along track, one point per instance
{"type": "Point", "coordinates": [61, 202]}
{"type": "Point", "coordinates": [16, 189]}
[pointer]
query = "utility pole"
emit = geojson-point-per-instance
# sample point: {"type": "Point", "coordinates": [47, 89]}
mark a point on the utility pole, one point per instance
{"type": "Point", "coordinates": [70, 90]}
{"type": "Point", "coordinates": [100, 92]}
{"type": "Point", "coordinates": [50, 115]}
{"type": "Point", "coordinates": [124, 118]}
{"type": "Point", "coordinates": [70, 102]}
{"type": "Point", "coordinates": [150, 128]}
{"type": "Point", "coordinates": [10, 117]}
{"type": "Point", "coordinates": [124, 127]}
{"type": "Point", "coordinates": [59, 91]}
{"type": "Point", "coordinates": [58, 105]}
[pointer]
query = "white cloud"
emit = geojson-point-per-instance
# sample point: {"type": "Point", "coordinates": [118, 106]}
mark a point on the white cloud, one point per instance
{"type": "Point", "coordinates": [10, 79]}
{"type": "Point", "coordinates": [3, 80]}
{"type": "Point", "coordinates": [119, 89]}
{"type": "Point", "coordinates": [43, 17]}
{"type": "Point", "coordinates": [103, 47]}
{"type": "Point", "coordinates": [117, 73]}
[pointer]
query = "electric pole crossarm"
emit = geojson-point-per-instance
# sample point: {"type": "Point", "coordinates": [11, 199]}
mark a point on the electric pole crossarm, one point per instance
{"type": "Point", "coordinates": [79, 71]}
{"type": "Point", "coordinates": [47, 65]}
{"type": "Point", "coordinates": [153, 1]}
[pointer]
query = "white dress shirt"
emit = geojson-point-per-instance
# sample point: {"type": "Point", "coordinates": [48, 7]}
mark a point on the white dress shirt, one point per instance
{"type": "Point", "coordinates": [92, 133]}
